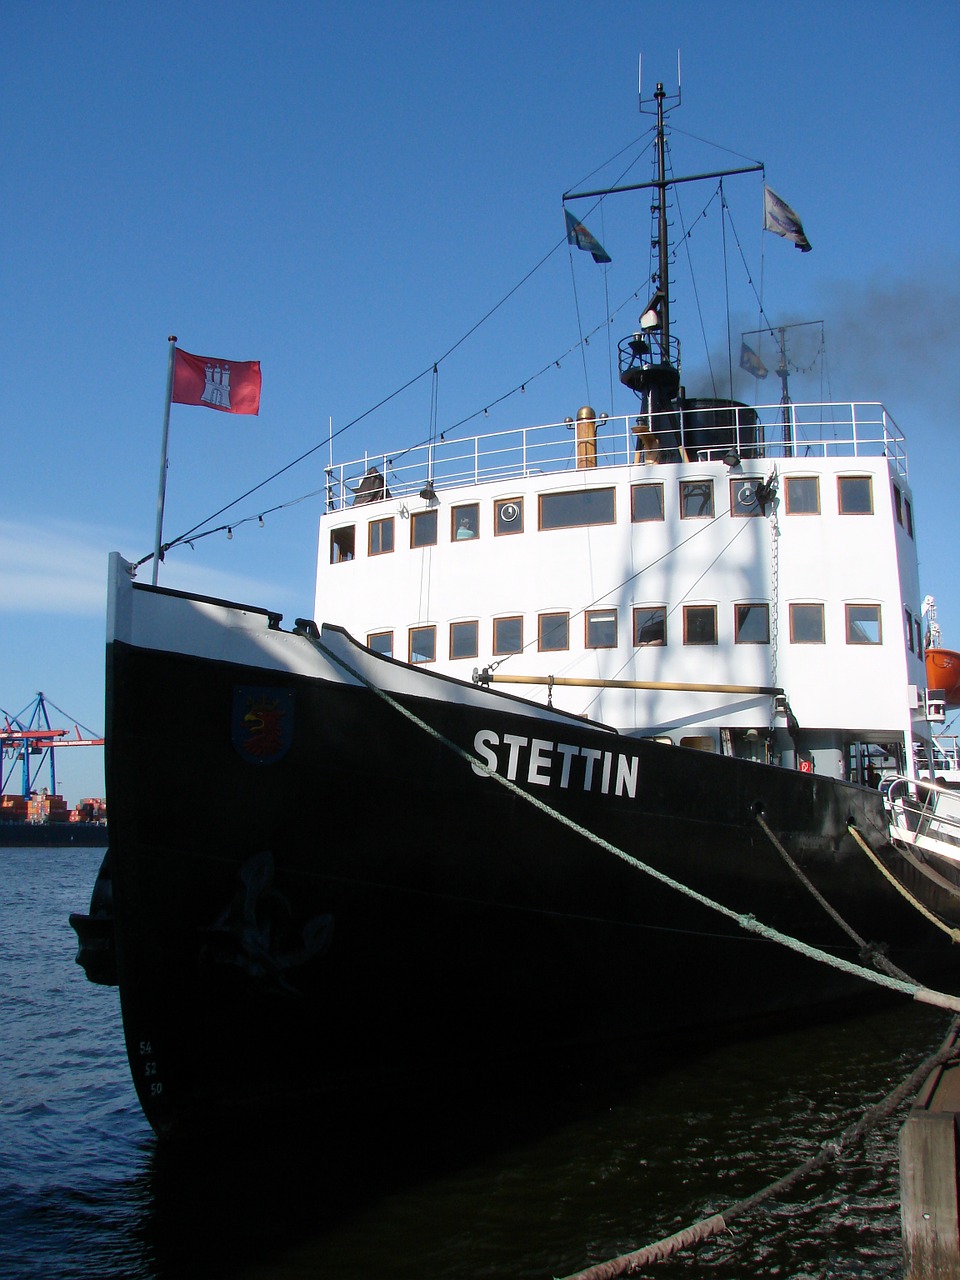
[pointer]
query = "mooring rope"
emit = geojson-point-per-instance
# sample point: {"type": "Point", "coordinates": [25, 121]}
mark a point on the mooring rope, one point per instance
{"type": "Point", "coordinates": [630, 1263]}
{"type": "Point", "coordinates": [923, 995]}
{"type": "Point", "coordinates": [868, 950]}
{"type": "Point", "coordinates": [952, 933]}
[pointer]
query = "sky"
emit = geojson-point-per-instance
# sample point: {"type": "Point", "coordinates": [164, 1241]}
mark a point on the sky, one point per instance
{"type": "Point", "coordinates": [344, 190]}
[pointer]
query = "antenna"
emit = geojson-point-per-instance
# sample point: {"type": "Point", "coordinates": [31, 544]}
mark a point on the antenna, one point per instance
{"type": "Point", "coordinates": [679, 86]}
{"type": "Point", "coordinates": [640, 79]}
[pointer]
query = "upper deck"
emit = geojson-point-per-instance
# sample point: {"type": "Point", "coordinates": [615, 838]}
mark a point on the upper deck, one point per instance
{"type": "Point", "coordinates": [705, 430]}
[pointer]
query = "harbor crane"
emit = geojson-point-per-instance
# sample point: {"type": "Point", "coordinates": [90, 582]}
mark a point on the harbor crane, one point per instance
{"type": "Point", "coordinates": [29, 740]}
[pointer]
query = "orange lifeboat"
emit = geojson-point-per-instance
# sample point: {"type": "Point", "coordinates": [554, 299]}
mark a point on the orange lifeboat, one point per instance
{"type": "Point", "coordinates": [943, 672]}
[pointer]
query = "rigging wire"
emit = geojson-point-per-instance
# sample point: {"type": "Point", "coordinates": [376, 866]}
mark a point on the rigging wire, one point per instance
{"type": "Point", "coordinates": [724, 215]}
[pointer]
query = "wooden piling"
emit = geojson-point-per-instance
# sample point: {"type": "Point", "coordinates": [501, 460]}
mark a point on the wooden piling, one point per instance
{"type": "Point", "coordinates": [929, 1205]}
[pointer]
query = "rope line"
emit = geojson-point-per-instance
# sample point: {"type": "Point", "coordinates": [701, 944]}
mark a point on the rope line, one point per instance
{"type": "Point", "coordinates": [868, 951]}
{"type": "Point", "coordinates": [952, 934]}
{"type": "Point", "coordinates": [630, 1263]}
{"type": "Point", "coordinates": [746, 921]}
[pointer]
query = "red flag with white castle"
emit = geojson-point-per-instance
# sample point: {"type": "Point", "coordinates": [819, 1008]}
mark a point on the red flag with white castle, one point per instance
{"type": "Point", "coordinates": [232, 386]}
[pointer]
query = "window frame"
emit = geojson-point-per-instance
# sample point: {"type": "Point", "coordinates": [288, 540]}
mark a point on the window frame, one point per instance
{"type": "Point", "coordinates": [738, 511]}
{"type": "Point", "coordinates": [648, 609]}
{"type": "Point", "coordinates": [793, 615]}
{"type": "Point", "coordinates": [381, 523]}
{"type": "Point", "coordinates": [340, 553]}
{"type": "Point", "coordinates": [591, 617]}
{"type": "Point", "coordinates": [850, 511]}
{"type": "Point", "coordinates": [738, 626]}
{"type": "Point", "coordinates": [553, 648]}
{"type": "Point", "coordinates": [688, 611]}
{"type": "Point", "coordinates": [573, 495]}
{"type": "Point", "coordinates": [497, 649]}
{"type": "Point", "coordinates": [374, 635]}
{"type": "Point", "coordinates": [427, 628]}
{"type": "Point", "coordinates": [498, 505]}
{"type": "Point", "coordinates": [657, 486]}
{"type": "Point", "coordinates": [422, 519]}
{"type": "Point", "coordinates": [849, 622]}
{"type": "Point", "coordinates": [456, 626]}
{"type": "Point", "coordinates": [705, 484]}
{"type": "Point", "coordinates": [455, 515]}
{"type": "Point", "coordinates": [790, 481]}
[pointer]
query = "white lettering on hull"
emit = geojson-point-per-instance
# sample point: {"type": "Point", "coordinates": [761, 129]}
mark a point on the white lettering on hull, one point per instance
{"type": "Point", "coordinates": [539, 763]}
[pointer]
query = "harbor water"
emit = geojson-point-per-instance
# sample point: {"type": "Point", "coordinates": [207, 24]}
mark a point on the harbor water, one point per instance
{"type": "Point", "coordinates": [582, 1161]}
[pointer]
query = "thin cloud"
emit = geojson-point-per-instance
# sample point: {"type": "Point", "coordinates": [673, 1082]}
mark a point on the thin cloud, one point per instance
{"type": "Point", "coordinates": [61, 569]}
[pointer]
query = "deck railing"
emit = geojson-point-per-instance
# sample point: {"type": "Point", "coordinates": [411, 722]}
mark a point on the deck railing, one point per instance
{"type": "Point", "coordinates": [814, 430]}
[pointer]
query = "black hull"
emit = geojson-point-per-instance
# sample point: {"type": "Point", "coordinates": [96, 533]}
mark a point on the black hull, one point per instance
{"type": "Point", "coordinates": [368, 908]}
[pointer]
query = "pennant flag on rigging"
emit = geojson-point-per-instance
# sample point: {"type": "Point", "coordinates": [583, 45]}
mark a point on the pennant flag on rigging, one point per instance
{"type": "Point", "coordinates": [578, 234]}
{"type": "Point", "coordinates": [780, 218]}
{"type": "Point", "coordinates": [232, 386]}
{"type": "Point", "coordinates": [751, 362]}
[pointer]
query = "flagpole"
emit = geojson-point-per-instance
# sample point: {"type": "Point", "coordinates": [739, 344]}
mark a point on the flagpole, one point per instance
{"type": "Point", "coordinates": [163, 457]}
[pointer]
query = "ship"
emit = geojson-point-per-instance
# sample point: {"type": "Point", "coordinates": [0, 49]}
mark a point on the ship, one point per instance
{"type": "Point", "coordinates": [590, 716]}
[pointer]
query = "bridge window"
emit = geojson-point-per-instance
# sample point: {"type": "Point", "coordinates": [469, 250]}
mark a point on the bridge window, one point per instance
{"type": "Point", "coordinates": [908, 515]}
{"type": "Point", "coordinates": [696, 499]}
{"type": "Point", "coordinates": [646, 502]}
{"type": "Point", "coordinates": [553, 632]}
{"type": "Point", "coordinates": [699, 624]}
{"type": "Point", "coordinates": [650, 625]}
{"type": "Point", "coordinates": [743, 496]}
{"type": "Point", "coordinates": [343, 544]}
{"type": "Point", "coordinates": [423, 644]}
{"type": "Point", "coordinates": [465, 522]}
{"type": "Point", "coordinates": [464, 639]}
{"type": "Point", "coordinates": [423, 529]}
{"type": "Point", "coordinates": [573, 510]}
{"type": "Point", "coordinates": [863, 624]}
{"type": "Point", "coordinates": [380, 537]}
{"type": "Point", "coordinates": [802, 495]}
{"type": "Point", "coordinates": [507, 635]}
{"type": "Point", "coordinates": [898, 504]}
{"type": "Point", "coordinates": [508, 516]}
{"type": "Point", "coordinates": [908, 628]}
{"type": "Point", "coordinates": [601, 629]}
{"type": "Point", "coordinates": [855, 495]}
{"type": "Point", "coordinates": [806, 624]}
{"type": "Point", "coordinates": [381, 642]}
{"type": "Point", "coordinates": [751, 623]}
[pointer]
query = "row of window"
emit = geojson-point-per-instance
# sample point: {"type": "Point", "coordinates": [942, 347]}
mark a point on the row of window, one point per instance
{"type": "Point", "coordinates": [751, 625]}
{"type": "Point", "coordinates": [584, 507]}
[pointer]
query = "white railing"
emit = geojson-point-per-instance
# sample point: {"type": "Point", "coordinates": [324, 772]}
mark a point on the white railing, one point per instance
{"type": "Point", "coordinates": [923, 815]}
{"type": "Point", "coordinates": [815, 430]}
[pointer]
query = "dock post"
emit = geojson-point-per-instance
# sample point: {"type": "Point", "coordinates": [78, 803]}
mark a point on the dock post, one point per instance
{"type": "Point", "coordinates": [930, 1219]}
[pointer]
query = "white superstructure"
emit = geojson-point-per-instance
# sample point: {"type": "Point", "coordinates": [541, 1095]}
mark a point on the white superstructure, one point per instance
{"type": "Point", "coordinates": [734, 549]}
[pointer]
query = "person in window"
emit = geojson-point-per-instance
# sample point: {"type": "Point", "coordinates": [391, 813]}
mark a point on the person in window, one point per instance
{"type": "Point", "coordinates": [465, 529]}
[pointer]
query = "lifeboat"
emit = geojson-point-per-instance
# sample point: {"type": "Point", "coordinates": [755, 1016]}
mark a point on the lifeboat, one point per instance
{"type": "Point", "coordinates": [943, 672]}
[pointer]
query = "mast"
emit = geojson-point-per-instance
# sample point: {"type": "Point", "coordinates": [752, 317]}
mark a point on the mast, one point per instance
{"type": "Point", "coordinates": [649, 358]}
{"type": "Point", "coordinates": [663, 265]}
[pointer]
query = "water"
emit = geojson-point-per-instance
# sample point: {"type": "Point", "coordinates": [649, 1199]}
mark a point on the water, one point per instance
{"type": "Point", "coordinates": [583, 1166]}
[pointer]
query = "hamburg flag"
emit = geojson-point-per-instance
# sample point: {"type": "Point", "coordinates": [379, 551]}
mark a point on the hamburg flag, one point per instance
{"type": "Point", "coordinates": [232, 386]}
{"type": "Point", "coordinates": [780, 218]}
{"type": "Point", "coordinates": [578, 234]}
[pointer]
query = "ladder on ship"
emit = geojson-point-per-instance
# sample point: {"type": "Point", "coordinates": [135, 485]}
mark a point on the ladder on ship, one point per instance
{"type": "Point", "coordinates": [923, 816]}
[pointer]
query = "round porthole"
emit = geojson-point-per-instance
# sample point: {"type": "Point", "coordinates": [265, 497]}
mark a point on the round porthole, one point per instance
{"type": "Point", "coordinates": [509, 512]}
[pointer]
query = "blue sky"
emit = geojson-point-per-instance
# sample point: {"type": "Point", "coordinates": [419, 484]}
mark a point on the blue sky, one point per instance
{"type": "Point", "coordinates": [343, 190]}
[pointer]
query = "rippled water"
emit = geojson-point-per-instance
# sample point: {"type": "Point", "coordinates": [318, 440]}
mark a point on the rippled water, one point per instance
{"type": "Point", "coordinates": [579, 1166]}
